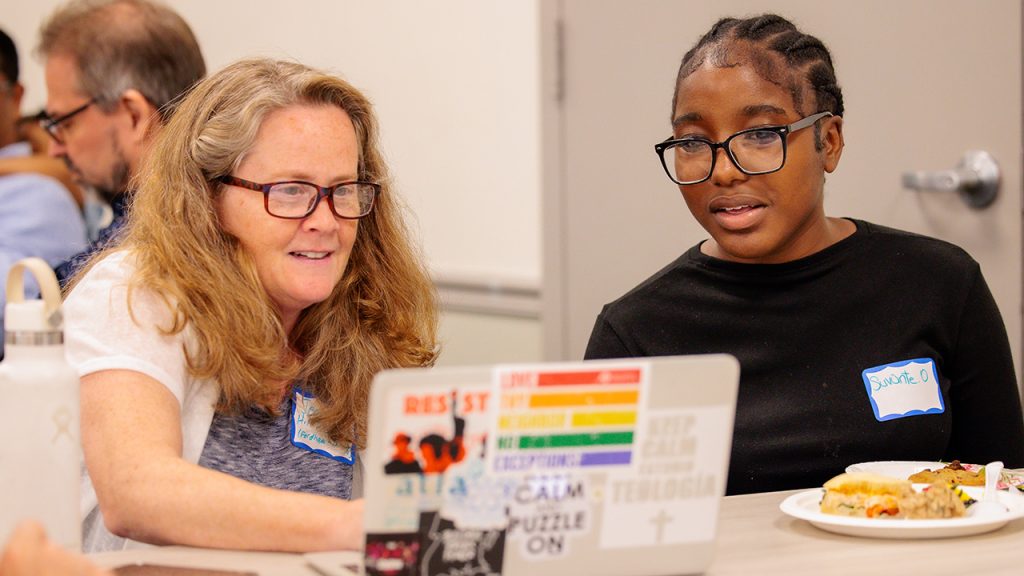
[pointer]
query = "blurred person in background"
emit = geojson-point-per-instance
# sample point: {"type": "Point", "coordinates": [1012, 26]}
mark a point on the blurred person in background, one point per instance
{"type": "Point", "coordinates": [38, 216]}
{"type": "Point", "coordinates": [113, 71]}
{"type": "Point", "coordinates": [40, 161]}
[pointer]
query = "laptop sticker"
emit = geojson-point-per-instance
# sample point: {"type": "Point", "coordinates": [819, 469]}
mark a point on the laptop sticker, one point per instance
{"type": "Point", "coordinates": [549, 419]}
{"type": "Point", "coordinates": [448, 549]}
{"type": "Point", "coordinates": [476, 499]}
{"type": "Point", "coordinates": [677, 478]}
{"type": "Point", "coordinates": [438, 441]}
{"type": "Point", "coordinates": [391, 554]}
{"type": "Point", "coordinates": [547, 512]}
{"type": "Point", "coordinates": [906, 388]}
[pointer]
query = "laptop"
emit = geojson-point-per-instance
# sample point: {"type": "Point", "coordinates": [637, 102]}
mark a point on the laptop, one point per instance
{"type": "Point", "coordinates": [608, 467]}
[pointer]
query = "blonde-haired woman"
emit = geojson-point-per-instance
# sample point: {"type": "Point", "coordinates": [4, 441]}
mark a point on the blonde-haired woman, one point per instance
{"type": "Point", "coordinates": [227, 344]}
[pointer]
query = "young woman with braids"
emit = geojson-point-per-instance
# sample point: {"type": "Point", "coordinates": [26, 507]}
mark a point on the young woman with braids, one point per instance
{"type": "Point", "coordinates": [803, 300]}
{"type": "Point", "coordinates": [227, 342]}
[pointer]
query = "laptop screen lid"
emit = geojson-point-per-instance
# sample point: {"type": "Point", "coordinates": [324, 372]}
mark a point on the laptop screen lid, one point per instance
{"type": "Point", "coordinates": [598, 467]}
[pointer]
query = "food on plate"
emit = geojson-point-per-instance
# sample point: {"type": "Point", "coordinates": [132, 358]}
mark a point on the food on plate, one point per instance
{"type": "Point", "coordinates": [864, 494]}
{"type": "Point", "coordinates": [869, 495]}
{"type": "Point", "coordinates": [953, 473]}
{"type": "Point", "coordinates": [937, 500]}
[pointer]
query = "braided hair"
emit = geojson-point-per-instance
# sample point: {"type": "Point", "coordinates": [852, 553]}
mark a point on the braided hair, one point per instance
{"type": "Point", "coordinates": [778, 52]}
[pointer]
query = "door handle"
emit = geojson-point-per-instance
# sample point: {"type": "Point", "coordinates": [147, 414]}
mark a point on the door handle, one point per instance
{"type": "Point", "coordinates": [975, 179]}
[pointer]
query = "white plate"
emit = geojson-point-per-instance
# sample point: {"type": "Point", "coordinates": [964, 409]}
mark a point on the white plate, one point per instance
{"type": "Point", "coordinates": [806, 506]}
{"type": "Point", "coordinates": [895, 468]}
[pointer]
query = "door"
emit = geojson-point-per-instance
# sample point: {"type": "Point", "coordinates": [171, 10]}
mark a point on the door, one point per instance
{"type": "Point", "coordinates": [923, 80]}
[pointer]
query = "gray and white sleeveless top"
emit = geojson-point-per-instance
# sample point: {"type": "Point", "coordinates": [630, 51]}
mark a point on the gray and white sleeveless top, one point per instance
{"type": "Point", "coordinates": [263, 449]}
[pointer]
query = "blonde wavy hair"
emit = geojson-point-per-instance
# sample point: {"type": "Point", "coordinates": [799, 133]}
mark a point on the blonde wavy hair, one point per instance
{"type": "Point", "coordinates": [382, 314]}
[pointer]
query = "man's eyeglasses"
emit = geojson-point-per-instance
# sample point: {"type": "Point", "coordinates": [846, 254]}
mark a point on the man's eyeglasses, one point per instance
{"type": "Point", "coordinates": [53, 125]}
{"type": "Point", "coordinates": [754, 151]}
{"type": "Point", "coordinates": [297, 199]}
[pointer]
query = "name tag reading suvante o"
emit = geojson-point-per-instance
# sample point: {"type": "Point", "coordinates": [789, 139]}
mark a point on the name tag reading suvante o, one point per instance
{"type": "Point", "coordinates": [905, 388]}
{"type": "Point", "coordinates": [306, 436]}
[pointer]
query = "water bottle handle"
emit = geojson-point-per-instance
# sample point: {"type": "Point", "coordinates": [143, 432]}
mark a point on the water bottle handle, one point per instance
{"type": "Point", "coordinates": [48, 286]}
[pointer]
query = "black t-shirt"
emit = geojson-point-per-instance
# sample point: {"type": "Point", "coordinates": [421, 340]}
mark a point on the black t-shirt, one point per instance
{"type": "Point", "coordinates": [813, 338]}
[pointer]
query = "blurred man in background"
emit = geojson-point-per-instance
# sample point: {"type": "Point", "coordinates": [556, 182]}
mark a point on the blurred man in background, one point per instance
{"type": "Point", "coordinates": [114, 69]}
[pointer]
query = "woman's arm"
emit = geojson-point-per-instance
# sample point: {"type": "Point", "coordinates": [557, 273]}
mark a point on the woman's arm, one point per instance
{"type": "Point", "coordinates": [131, 434]}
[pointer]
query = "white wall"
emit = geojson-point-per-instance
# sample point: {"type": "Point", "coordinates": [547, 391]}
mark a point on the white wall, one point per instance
{"type": "Point", "coordinates": [475, 338]}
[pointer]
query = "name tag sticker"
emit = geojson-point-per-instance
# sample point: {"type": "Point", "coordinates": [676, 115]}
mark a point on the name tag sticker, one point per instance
{"type": "Point", "coordinates": [308, 437]}
{"type": "Point", "coordinates": [905, 388]}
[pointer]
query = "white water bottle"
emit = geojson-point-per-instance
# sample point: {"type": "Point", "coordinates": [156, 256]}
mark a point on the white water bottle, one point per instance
{"type": "Point", "coordinates": [40, 451]}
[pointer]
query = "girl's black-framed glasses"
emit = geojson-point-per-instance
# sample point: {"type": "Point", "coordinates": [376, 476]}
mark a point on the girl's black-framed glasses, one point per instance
{"type": "Point", "coordinates": [755, 151]}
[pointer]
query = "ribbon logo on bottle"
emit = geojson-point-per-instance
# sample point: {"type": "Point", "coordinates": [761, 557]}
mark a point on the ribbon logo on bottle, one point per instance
{"type": "Point", "coordinates": [62, 419]}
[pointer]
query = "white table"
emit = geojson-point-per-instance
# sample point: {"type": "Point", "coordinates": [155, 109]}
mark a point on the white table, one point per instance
{"type": "Point", "coordinates": [755, 538]}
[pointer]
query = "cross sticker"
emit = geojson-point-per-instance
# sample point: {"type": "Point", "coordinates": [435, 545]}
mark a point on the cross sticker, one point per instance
{"type": "Point", "coordinates": [659, 522]}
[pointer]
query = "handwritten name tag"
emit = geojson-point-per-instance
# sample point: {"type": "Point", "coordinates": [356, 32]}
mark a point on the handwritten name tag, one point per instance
{"type": "Point", "coordinates": [308, 437]}
{"type": "Point", "coordinates": [906, 388]}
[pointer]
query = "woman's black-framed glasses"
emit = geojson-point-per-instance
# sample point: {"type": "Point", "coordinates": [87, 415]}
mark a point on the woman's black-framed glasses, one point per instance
{"type": "Point", "coordinates": [53, 125]}
{"type": "Point", "coordinates": [296, 199]}
{"type": "Point", "coordinates": [754, 151]}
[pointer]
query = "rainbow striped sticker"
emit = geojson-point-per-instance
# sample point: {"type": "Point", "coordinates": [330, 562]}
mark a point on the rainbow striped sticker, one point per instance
{"type": "Point", "coordinates": [576, 417]}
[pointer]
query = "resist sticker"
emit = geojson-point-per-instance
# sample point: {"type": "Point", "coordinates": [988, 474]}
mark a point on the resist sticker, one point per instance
{"type": "Point", "coordinates": [905, 388]}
